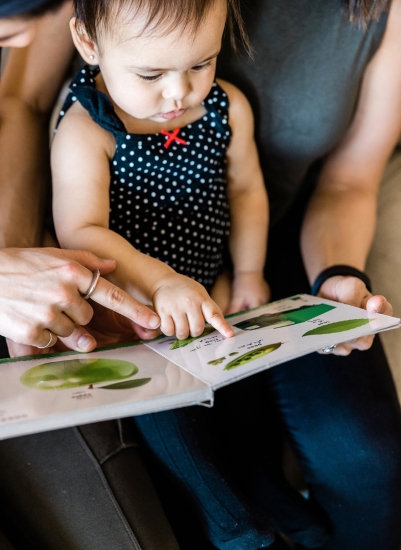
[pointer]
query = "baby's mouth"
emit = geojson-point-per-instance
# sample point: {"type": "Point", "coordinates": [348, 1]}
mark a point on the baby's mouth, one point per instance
{"type": "Point", "coordinates": [172, 114]}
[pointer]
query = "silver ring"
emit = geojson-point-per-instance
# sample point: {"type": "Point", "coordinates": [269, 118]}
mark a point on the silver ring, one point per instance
{"type": "Point", "coordinates": [49, 343]}
{"type": "Point", "coordinates": [329, 349]}
{"type": "Point", "coordinates": [91, 289]}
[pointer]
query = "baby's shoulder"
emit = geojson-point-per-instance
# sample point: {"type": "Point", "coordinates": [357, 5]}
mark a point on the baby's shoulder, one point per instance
{"type": "Point", "coordinates": [77, 126]}
{"type": "Point", "coordinates": [239, 106]}
{"type": "Point", "coordinates": [75, 117]}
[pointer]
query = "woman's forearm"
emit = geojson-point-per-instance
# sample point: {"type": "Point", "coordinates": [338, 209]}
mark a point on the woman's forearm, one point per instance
{"type": "Point", "coordinates": [28, 90]}
{"type": "Point", "coordinates": [23, 174]}
{"type": "Point", "coordinates": [338, 229]}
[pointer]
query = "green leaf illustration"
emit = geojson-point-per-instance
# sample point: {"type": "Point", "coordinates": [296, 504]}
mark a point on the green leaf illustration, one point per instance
{"type": "Point", "coordinates": [252, 356]}
{"type": "Point", "coordinates": [233, 353]}
{"type": "Point", "coordinates": [216, 361]}
{"type": "Point", "coordinates": [339, 326]}
{"type": "Point", "coordinates": [126, 385]}
{"type": "Point", "coordinates": [182, 343]}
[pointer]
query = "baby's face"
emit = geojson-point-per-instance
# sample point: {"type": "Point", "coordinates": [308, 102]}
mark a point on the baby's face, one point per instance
{"type": "Point", "coordinates": [159, 77]}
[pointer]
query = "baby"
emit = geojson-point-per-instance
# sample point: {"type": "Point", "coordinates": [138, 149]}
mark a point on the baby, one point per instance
{"type": "Point", "coordinates": [154, 162]}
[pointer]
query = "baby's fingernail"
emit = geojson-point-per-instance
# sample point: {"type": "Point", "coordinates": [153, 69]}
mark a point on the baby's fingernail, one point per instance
{"type": "Point", "coordinates": [108, 261]}
{"type": "Point", "coordinates": [85, 342]}
{"type": "Point", "coordinates": [154, 322]}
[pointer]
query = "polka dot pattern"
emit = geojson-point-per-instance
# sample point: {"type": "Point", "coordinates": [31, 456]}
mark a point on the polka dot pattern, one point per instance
{"type": "Point", "coordinates": [170, 203]}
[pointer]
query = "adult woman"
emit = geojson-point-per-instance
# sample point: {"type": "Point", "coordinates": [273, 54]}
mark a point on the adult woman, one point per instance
{"type": "Point", "coordinates": [327, 387]}
{"type": "Point", "coordinates": [327, 95]}
{"type": "Point", "coordinates": [70, 488]}
{"type": "Point", "coordinates": [40, 290]}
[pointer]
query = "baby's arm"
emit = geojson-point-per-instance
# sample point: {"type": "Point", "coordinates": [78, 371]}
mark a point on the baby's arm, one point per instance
{"type": "Point", "coordinates": [81, 154]}
{"type": "Point", "coordinates": [248, 207]}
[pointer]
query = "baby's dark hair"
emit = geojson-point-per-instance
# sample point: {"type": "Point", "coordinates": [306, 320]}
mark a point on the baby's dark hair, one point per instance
{"type": "Point", "coordinates": [168, 14]}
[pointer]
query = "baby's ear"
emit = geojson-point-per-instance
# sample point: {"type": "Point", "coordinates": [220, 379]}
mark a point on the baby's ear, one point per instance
{"type": "Point", "coordinates": [85, 45]}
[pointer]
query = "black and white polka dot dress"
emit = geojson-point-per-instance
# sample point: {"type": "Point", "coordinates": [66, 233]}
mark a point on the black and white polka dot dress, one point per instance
{"type": "Point", "coordinates": [168, 191]}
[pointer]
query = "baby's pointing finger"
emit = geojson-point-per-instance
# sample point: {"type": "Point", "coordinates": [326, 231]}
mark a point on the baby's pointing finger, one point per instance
{"type": "Point", "coordinates": [214, 316]}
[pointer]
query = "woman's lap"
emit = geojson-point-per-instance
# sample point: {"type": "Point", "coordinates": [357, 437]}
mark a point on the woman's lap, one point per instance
{"type": "Point", "coordinates": [342, 416]}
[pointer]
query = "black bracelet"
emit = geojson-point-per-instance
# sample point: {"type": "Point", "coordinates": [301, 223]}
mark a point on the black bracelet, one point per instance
{"type": "Point", "coordinates": [342, 270]}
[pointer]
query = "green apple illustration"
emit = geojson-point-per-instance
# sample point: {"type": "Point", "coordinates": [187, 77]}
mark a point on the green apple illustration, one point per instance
{"type": "Point", "coordinates": [252, 355]}
{"type": "Point", "coordinates": [73, 373]}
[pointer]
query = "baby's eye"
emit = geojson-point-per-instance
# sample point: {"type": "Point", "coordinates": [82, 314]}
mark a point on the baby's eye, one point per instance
{"type": "Point", "coordinates": [203, 66]}
{"type": "Point", "coordinates": [152, 78]}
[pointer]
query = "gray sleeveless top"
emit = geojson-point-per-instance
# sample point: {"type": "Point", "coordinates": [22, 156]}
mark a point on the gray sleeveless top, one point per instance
{"type": "Point", "coordinates": [303, 85]}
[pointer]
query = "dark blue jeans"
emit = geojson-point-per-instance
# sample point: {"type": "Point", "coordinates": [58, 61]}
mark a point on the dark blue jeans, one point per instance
{"type": "Point", "coordinates": [220, 470]}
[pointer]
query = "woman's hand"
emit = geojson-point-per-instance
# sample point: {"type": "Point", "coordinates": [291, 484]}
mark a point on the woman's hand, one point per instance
{"type": "Point", "coordinates": [41, 291]}
{"type": "Point", "coordinates": [107, 328]}
{"type": "Point", "coordinates": [352, 291]}
{"type": "Point", "coordinates": [184, 305]}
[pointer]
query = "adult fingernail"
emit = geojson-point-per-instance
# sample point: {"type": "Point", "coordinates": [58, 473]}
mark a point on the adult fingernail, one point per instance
{"type": "Point", "coordinates": [154, 322]}
{"type": "Point", "coordinates": [85, 342]}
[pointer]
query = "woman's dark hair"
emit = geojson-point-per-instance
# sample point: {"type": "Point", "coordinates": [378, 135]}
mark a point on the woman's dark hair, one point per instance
{"type": "Point", "coordinates": [168, 14]}
{"type": "Point", "coordinates": [363, 11]}
{"type": "Point", "coordinates": [47, 6]}
{"type": "Point", "coordinates": [28, 8]}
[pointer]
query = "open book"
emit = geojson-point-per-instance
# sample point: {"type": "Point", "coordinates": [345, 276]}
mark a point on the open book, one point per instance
{"type": "Point", "coordinates": [65, 389]}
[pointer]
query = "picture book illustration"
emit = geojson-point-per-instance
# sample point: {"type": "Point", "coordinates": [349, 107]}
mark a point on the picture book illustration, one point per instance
{"type": "Point", "coordinates": [339, 326]}
{"type": "Point", "coordinates": [267, 336]}
{"type": "Point", "coordinates": [252, 355]}
{"type": "Point", "coordinates": [65, 389]}
{"type": "Point", "coordinates": [73, 373]}
{"type": "Point", "coordinates": [284, 318]}
{"type": "Point", "coordinates": [177, 344]}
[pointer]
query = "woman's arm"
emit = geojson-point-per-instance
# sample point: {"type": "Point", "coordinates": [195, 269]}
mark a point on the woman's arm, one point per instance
{"type": "Point", "coordinates": [28, 90]}
{"type": "Point", "coordinates": [248, 207]}
{"type": "Point", "coordinates": [340, 220]}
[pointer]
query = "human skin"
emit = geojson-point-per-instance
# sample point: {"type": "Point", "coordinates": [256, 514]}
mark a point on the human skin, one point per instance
{"type": "Point", "coordinates": [28, 90]}
{"type": "Point", "coordinates": [341, 216]}
{"type": "Point", "coordinates": [158, 81]}
{"type": "Point", "coordinates": [41, 291]}
{"type": "Point", "coordinates": [321, 242]}
{"type": "Point", "coordinates": [33, 280]}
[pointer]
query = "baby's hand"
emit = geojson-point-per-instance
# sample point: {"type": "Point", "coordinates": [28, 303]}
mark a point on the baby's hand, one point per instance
{"type": "Point", "coordinates": [249, 289]}
{"type": "Point", "coordinates": [184, 305]}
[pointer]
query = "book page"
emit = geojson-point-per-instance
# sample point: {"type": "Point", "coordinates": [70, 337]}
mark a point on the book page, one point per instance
{"type": "Point", "coordinates": [270, 335]}
{"type": "Point", "coordinates": [67, 389]}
